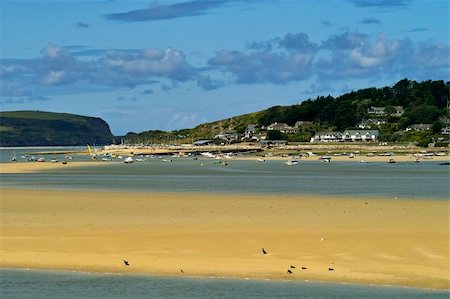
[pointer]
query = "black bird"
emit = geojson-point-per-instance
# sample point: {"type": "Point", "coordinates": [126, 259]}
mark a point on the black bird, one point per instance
{"type": "Point", "coordinates": [292, 267]}
{"type": "Point", "coordinates": [181, 270]}
{"type": "Point", "coordinates": [126, 263]}
{"type": "Point", "coordinates": [330, 269]}
{"type": "Point", "coordinates": [289, 271]}
{"type": "Point", "coordinates": [304, 268]}
{"type": "Point", "coordinates": [264, 252]}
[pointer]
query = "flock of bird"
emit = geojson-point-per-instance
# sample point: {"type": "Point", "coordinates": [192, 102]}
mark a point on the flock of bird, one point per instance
{"type": "Point", "coordinates": [289, 271]}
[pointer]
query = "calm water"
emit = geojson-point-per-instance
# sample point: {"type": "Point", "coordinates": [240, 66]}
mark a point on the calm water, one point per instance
{"type": "Point", "coordinates": [402, 180]}
{"type": "Point", "coordinates": [55, 284]}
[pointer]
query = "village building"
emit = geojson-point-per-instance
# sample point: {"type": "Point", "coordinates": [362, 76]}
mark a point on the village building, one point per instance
{"type": "Point", "coordinates": [360, 135]}
{"type": "Point", "coordinates": [381, 111]}
{"type": "Point", "coordinates": [250, 131]}
{"type": "Point", "coordinates": [326, 137]}
{"type": "Point", "coordinates": [302, 123]}
{"type": "Point", "coordinates": [228, 135]}
{"type": "Point", "coordinates": [445, 130]}
{"type": "Point", "coordinates": [370, 123]}
{"type": "Point", "coordinates": [259, 137]}
{"type": "Point", "coordinates": [282, 127]}
{"type": "Point", "coordinates": [273, 142]}
{"type": "Point", "coordinates": [419, 127]}
{"type": "Point", "coordinates": [202, 142]}
{"type": "Point", "coordinates": [376, 110]}
{"type": "Point", "coordinates": [347, 136]}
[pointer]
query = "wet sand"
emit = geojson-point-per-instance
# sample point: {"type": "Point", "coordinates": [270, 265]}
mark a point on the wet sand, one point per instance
{"type": "Point", "coordinates": [394, 242]}
{"type": "Point", "coordinates": [30, 167]}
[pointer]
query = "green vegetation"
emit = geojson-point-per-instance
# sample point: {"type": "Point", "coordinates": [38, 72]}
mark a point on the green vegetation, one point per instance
{"type": "Point", "coordinates": [423, 102]}
{"type": "Point", "coordinates": [420, 103]}
{"type": "Point", "coordinates": [26, 128]}
{"type": "Point", "coordinates": [203, 131]}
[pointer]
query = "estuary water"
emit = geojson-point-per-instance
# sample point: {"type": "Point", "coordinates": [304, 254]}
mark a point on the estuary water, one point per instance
{"type": "Point", "coordinates": [56, 284]}
{"type": "Point", "coordinates": [427, 179]}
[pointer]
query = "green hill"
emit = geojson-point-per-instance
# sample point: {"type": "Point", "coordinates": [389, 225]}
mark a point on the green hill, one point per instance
{"type": "Point", "coordinates": [28, 128]}
{"type": "Point", "coordinates": [424, 102]}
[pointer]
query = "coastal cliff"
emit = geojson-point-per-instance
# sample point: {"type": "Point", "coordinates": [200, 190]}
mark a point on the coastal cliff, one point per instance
{"type": "Point", "coordinates": [37, 128]}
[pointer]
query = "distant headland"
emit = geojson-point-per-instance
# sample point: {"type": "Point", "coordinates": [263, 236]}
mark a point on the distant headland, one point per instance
{"type": "Point", "coordinates": [37, 128]}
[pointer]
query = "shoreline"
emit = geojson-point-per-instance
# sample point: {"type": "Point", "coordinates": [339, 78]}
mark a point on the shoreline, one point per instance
{"type": "Point", "coordinates": [255, 279]}
{"type": "Point", "coordinates": [400, 243]}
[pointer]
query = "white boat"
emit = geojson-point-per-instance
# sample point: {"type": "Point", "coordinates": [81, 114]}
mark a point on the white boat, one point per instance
{"type": "Point", "coordinates": [208, 155]}
{"type": "Point", "coordinates": [364, 161]}
{"type": "Point", "coordinates": [128, 160]}
{"type": "Point", "coordinates": [291, 162]}
{"type": "Point", "coordinates": [326, 159]}
{"type": "Point", "coordinates": [54, 160]}
{"type": "Point", "coordinates": [40, 160]}
{"type": "Point", "coordinates": [260, 160]}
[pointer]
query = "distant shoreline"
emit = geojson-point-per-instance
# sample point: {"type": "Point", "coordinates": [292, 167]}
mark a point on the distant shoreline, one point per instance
{"type": "Point", "coordinates": [29, 167]}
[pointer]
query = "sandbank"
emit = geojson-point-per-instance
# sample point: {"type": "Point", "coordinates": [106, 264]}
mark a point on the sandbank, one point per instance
{"type": "Point", "coordinates": [394, 242]}
{"type": "Point", "coordinates": [30, 167]}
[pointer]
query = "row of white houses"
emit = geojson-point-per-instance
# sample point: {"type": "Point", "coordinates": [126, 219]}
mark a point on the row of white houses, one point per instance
{"type": "Point", "coordinates": [347, 136]}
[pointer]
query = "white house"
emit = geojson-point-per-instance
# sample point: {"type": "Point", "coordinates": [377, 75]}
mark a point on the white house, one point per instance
{"type": "Point", "coordinates": [445, 130]}
{"type": "Point", "coordinates": [398, 111]}
{"type": "Point", "coordinates": [371, 122]}
{"type": "Point", "coordinates": [360, 135]}
{"type": "Point", "coordinates": [227, 135]}
{"type": "Point", "coordinates": [250, 131]}
{"type": "Point", "coordinates": [376, 110]}
{"type": "Point", "coordinates": [326, 137]}
{"type": "Point", "coordinates": [282, 127]}
{"type": "Point", "coordinates": [419, 127]}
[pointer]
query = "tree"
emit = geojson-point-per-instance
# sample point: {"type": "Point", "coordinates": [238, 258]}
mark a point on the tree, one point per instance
{"type": "Point", "coordinates": [437, 127]}
{"type": "Point", "coordinates": [274, 135]}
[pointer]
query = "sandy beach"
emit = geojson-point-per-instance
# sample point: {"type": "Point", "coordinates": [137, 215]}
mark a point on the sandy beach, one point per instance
{"type": "Point", "coordinates": [393, 242]}
{"type": "Point", "coordinates": [30, 167]}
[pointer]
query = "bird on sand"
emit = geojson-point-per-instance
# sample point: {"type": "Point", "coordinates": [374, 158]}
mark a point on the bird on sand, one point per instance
{"type": "Point", "coordinates": [289, 271]}
{"type": "Point", "coordinates": [292, 267]}
{"type": "Point", "coordinates": [263, 251]}
{"type": "Point", "coordinates": [181, 270]}
{"type": "Point", "coordinates": [126, 263]}
{"type": "Point", "coordinates": [304, 268]}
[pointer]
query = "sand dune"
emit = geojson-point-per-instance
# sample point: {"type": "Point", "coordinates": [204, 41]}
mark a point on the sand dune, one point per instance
{"type": "Point", "coordinates": [395, 242]}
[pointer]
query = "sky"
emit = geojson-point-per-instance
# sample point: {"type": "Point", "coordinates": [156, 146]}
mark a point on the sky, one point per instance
{"type": "Point", "coordinates": [169, 65]}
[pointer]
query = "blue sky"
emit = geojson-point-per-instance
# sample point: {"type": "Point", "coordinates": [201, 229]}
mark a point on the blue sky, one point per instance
{"type": "Point", "coordinates": [168, 65]}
